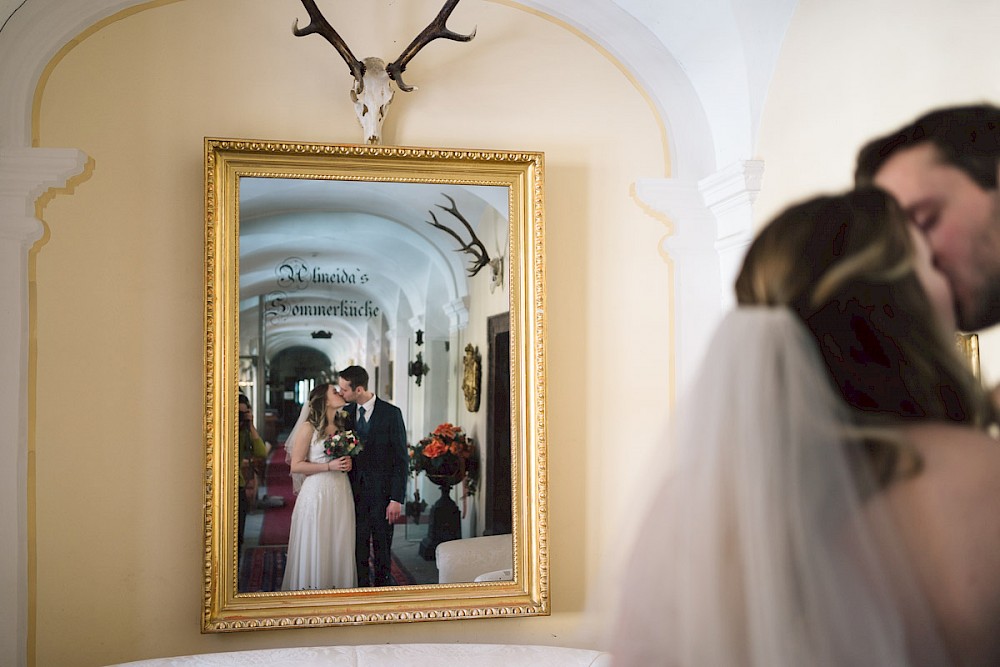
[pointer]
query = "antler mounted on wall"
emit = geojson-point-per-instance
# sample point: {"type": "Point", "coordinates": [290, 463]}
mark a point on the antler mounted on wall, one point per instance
{"type": "Point", "coordinates": [480, 256]}
{"type": "Point", "coordinates": [372, 91]}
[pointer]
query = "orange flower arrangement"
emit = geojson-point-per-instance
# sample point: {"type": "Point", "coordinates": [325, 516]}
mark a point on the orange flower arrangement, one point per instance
{"type": "Point", "coordinates": [449, 455]}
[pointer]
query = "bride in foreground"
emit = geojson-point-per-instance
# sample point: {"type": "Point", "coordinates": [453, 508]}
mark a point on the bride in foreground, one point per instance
{"type": "Point", "coordinates": [835, 496]}
{"type": "Point", "coordinates": [321, 539]}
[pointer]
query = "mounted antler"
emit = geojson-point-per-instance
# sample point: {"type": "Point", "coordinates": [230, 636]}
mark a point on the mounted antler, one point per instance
{"type": "Point", "coordinates": [435, 30]}
{"type": "Point", "coordinates": [319, 25]}
{"type": "Point", "coordinates": [475, 247]}
{"type": "Point", "coordinates": [372, 92]}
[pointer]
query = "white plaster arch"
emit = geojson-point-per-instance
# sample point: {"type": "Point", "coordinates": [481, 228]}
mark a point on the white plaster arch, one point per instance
{"type": "Point", "coordinates": [705, 66]}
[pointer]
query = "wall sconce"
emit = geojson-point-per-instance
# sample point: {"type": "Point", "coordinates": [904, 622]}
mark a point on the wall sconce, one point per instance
{"type": "Point", "coordinates": [418, 369]}
{"type": "Point", "coordinates": [420, 337]}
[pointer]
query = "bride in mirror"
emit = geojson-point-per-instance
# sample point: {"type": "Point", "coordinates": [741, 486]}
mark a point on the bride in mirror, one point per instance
{"type": "Point", "coordinates": [321, 540]}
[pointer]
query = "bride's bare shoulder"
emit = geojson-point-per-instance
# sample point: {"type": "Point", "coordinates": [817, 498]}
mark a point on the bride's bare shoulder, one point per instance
{"type": "Point", "coordinates": [947, 515]}
{"type": "Point", "coordinates": [956, 459]}
{"type": "Point", "coordinates": [949, 450]}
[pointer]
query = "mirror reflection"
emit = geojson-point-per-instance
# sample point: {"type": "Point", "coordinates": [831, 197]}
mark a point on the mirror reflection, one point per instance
{"type": "Point", "coordinates": [374, 384]}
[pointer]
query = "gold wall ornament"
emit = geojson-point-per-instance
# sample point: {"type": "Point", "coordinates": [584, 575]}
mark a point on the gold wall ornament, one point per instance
{"type": "Point", "coordinates": [472, 377]}
{"type": "Point", "coordinates": [374, 189]}
{"type": "Point", "coordinates": [968, 345]}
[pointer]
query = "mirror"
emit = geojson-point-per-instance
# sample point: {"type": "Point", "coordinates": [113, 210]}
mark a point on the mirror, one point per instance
{"type": "Point", "coordinates": [425, 267]}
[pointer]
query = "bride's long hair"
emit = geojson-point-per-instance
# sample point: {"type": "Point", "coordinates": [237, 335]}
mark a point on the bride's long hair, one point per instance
{"type": "Point", "coordinates": [313, 412]}
{"type": "Point", "coordinates": [317, 407]}
{"type": "Point", "coordinates": [845, 265]}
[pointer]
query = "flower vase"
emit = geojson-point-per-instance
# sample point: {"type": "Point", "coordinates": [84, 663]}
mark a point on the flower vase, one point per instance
{"type": "Point", "coordinates": [444, 521]}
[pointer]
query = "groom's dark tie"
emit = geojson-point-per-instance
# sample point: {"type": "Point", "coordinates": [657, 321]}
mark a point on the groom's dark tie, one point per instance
{"type": "Point", "coordinates": [362, 426]}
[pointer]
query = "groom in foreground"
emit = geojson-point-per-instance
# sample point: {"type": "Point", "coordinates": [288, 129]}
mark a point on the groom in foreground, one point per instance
{"type": "Point", "coordinates": [943, 170]}
{"type": "Point", "coordinates": [378, 477]}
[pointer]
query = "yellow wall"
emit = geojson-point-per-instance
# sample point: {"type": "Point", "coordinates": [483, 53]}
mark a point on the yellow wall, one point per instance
{"type": "Point", "coordinates": [852, 70]}
{"type": "Point", "coordinates": [118, 277]}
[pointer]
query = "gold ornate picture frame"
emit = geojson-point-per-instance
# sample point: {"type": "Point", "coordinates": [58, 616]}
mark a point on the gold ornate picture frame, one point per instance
{"type": "Point", "coordinates": [270, 205]}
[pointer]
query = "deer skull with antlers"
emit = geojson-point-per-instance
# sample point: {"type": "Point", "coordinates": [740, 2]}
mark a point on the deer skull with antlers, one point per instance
{"type": "Point", "coordinates": [372, 91]}
{"type": "Point", "coordinates": [481, 257]}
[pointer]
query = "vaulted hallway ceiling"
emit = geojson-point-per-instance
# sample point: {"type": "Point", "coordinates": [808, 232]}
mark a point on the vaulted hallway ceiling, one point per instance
{"type": "Point", "coordinates": [313, 256]}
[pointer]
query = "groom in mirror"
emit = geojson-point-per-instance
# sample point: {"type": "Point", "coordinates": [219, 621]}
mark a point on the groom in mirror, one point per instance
{"type": "Point", "coordinates": [378, 477]}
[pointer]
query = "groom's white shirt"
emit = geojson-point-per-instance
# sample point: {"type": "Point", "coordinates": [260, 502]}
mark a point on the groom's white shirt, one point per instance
{"type": "Point", "coordinates": [368, 406]}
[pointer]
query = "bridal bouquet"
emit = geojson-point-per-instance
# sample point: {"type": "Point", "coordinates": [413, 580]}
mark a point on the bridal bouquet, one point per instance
{"type": "Point", "coordinates": [447, 455]}
{"type": "Point", "coordinates": [345, 443]}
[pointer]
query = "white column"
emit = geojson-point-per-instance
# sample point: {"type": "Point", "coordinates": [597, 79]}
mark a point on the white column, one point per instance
{"type": "Point", "coordinates": [458, 314]}
{"type": "Point", "coordinates": [730, 194]}
{"type": "Point", "coordinates": [713, 224]}
{"type": "Point", "coordinates": [25, 174]}
{"type": "Point", "coordinates": [400, 380]}
{"type": "Point", "coordinates": [414, 410]}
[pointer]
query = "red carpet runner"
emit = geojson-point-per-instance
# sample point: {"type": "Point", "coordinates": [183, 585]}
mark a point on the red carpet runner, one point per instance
{"type": "Point", "coordinates": [262, 569]}
{"type": "Point", "coordinates": [277, 520]}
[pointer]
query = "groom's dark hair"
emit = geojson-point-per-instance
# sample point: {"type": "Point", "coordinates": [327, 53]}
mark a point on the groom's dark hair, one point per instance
{"type": "Point", "coordinates": [357, 376]}
{"type": "Point", "coordinates": [966, 137]}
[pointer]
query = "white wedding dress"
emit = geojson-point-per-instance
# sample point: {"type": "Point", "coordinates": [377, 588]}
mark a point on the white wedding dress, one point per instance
{"type": "Point", "coordinates": [321, 539]}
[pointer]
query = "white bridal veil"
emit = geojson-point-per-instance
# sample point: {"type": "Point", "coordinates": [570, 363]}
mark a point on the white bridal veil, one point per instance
{"type": "Point", "coordinates": [297, 478]}
{"type": "Point", "coordinates": [760, 549]}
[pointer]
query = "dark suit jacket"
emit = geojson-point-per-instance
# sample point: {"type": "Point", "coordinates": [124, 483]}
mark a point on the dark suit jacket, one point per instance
{"type": "Point", "coordinates": [380, 470]}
